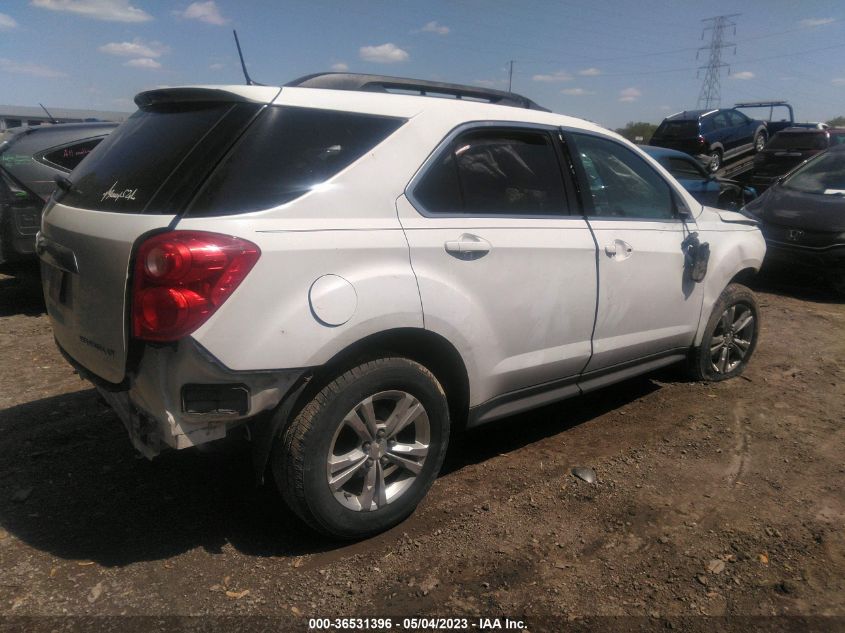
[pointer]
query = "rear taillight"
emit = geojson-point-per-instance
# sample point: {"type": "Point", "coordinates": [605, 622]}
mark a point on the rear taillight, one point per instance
{"type": "Point", "coordinates": [182, 277]}
{"type": "Point", "coordinates": [702, 141]}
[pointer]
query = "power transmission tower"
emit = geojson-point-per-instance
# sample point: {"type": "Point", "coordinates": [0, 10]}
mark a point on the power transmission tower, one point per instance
{"type": "Point", "coordinates": [710, 94]}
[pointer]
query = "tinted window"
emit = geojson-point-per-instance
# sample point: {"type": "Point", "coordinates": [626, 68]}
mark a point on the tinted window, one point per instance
{"type": "Point", "coordinates": [677, 129]}
{"type": "Point", "coordinates": [285, 154]}
{"type": "Point", "coordinates": [720, 121]}
{"type": "Point", "coordinates": [837, 138]}
{"type": "Point", "coordinates": [736, 119]}
{"type": "Point", "coordinates": [621, 183]}
{"type": "Point", "coordinates": [683, 169]}
{"type": "Point", "coordinates": [798, 141]}
{"type": "Point", "coordinates": [508, 172]}
{"type": "Point", "coordinates": [70, 156]}
{"type": "Point", "coordinates": [127, 169]}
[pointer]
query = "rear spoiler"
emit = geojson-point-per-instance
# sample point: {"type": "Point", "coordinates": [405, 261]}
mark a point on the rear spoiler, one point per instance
{"type": "Point", "coordinates": [206, 94]}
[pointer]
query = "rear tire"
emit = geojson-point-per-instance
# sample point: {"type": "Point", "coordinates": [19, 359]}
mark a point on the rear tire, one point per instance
{"type": "Point", "coordinates": [715, 162]}
{"type": "Point", "coordinates": [363, 452]}
{"type": "Point", "coordinates": [730, 337]}
{"type": "Point", "coordinates": [759, 142]}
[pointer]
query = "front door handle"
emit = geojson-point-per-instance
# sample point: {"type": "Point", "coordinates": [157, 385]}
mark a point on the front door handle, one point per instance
{"type": "Point", "coordinates": [468, 246]}
{"type": "Point", "coordinates": [618, 250]}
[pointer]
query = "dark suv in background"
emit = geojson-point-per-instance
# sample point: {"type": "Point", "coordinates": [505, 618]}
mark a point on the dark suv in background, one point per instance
{"type": "Point", "coordinates": [30, 160]}
{"type": "Point", "coordinates": [712, 136]}
{"type": "Point", "coordinates": [788, 149]}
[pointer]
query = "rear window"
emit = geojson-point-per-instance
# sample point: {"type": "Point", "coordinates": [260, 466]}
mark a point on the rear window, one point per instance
{"type": "Point", "coordinates": [683, 169]}
{"type": "Point", "coordinates": [125, 172]}
{"type": "Point", "coordinates": [798, 141]}
{"type": "Point", "coordinates": [287, 152]}
{"type": "Point", "coordinates": [677, 129]}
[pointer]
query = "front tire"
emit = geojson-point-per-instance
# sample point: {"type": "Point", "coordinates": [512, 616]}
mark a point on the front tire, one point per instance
{"type": "Point", "coordinates": [759, 142]}
{"type": "Point", "coordinates": [364, 451]}
{"type": "Point", "coordinates": [730, 337]}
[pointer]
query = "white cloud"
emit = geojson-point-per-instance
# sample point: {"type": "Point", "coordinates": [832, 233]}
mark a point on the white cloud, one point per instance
{"type": "Point", "coordinates": [743, 75]}
{"type": "Point", "coordinates": [629, 94]}
{"type": "Point", "coordinates": [135, 48]}
{"type": "Point", "coordinates": [216, 66]}
{"type": "Point", "coordinates": [143, 62]}
{"type": "Point", "coordinates": [576, 92]}
{"type": "Point", "coordinates": [590, 72]}
{"type": "Point", "coordinates": [434, 27]}
{"type": "Point", "coordinates": [811, 22]}
{"type": "Point", "coordinates": [383, 54]}
{"type": "Point", "coordinates": [340, 67]}
{"type": "Point", "coordinates": [560, 75]}
{"type": "Point", "coordinates": [7, 22]}
{"type": "Point", "coordinates": [204, 12]}
{"type": "Point", "coordinates": [26, 68]}
{"type": "Point", "coordinates": [107, 10]}
{"type": "Point", "coordinates": [839, 81]}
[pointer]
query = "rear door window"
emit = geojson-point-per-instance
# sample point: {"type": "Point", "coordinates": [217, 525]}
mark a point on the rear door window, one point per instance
{"type": "Point", "coordinates": [495, 172]}
{"type": "Point", "coordinates": [285, 154]}
{"type": "Point", "coordinates": [720, 121]}
{"type": "Point", "coordinates": [737, 119]}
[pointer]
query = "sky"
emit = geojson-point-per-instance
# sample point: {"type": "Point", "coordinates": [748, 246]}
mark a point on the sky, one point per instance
{"type": "Point", "coordinates": [609, 61]}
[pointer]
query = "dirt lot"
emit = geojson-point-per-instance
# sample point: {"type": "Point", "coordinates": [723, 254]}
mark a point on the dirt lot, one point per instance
{"type": "Point", "coordinates": [717, 500]}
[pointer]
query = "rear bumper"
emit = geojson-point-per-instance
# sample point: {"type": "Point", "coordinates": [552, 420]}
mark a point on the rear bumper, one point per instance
{"type": "Point", "coordinates": [155, 405]}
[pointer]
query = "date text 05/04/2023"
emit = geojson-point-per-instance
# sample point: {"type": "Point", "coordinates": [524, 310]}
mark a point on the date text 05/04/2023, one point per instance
{"type": "Point", "coordinates": [416, 624]}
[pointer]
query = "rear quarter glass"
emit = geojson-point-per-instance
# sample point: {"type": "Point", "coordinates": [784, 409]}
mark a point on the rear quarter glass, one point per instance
{"type": "Point", "coordinates": [135, 168]}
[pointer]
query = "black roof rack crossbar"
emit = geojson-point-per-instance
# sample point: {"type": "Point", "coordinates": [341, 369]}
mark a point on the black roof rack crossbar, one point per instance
{"type": "Point", "coordinates": [383, 83]}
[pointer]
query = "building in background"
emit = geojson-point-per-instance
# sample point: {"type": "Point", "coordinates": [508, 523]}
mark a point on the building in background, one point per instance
{"type": "Point", "coordinates": [17, 116]}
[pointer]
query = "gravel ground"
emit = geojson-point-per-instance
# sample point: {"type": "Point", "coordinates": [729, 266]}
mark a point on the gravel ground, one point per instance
{"type": "Point", "coordinates": [717, 500]}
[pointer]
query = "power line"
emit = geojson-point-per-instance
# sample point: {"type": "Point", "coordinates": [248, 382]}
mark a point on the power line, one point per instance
{"type": "Point", "coordinates": [710, 94]}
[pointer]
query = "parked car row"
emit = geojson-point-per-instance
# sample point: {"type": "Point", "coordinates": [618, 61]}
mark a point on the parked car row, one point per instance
{"type": "Point", "coordinates": [30, 160]}
{"type": "Point", "coordinates": [802, 216]}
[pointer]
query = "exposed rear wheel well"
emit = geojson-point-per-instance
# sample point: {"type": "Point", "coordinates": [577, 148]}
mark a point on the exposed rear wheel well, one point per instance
{"type": "Point", "coordinates": [423, 346]}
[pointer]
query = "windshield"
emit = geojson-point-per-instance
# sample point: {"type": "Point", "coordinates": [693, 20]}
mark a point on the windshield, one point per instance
{"type": "Point", "coordinates": [798, 141]}
{"type": "Point", "coordinates": [823, 175]}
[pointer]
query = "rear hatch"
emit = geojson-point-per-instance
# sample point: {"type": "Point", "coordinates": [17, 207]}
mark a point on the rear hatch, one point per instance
{"type": "Point", "coordinates": [137, 181]}
{"type": "Point", "coordinates": [682, 135]}
{"type": "Point", "coordinates": [788, 150]}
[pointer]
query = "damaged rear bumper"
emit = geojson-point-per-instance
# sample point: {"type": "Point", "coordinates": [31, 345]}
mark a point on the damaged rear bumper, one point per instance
{"type": "Point", "coordinates": [180, 396]}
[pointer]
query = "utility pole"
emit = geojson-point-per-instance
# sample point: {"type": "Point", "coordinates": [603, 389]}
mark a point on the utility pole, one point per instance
{"type": "Point", "coordinates": [710, 94]}
{"type": "Point", "coordinates": [510, 75]}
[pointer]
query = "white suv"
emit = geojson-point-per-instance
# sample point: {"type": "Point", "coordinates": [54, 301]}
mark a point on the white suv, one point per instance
{"type": "Point", "coordinates": [355, 273]}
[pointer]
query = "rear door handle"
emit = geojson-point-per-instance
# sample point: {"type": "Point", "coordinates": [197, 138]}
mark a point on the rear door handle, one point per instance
{"type": "Point", "coordinates": [468, 246]}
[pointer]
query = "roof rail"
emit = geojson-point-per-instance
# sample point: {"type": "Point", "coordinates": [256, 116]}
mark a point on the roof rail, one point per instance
{"type": "Point", "coordinates": [383, 83]}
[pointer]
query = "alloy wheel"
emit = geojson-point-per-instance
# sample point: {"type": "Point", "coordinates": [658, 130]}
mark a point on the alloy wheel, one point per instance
{"type": "Point", "coordinates": [378, 450]}
{"type": "Point", "coordinates": [732, 338]}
